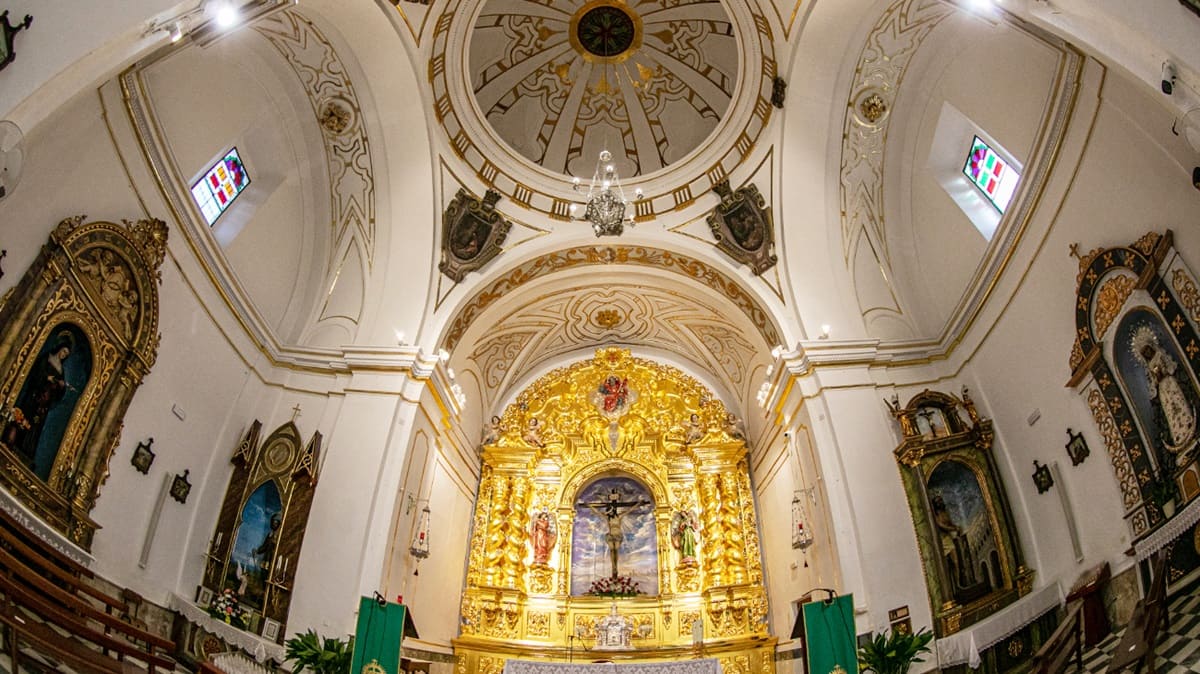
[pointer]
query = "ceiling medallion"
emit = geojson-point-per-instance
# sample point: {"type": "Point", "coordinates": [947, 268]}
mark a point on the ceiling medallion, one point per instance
{"type": "Point", "coordinates": [871, 107]}
{"type": "Point", "coordinates": [608, 318]}
{"type": "Point", "coordinates": [605, 31]}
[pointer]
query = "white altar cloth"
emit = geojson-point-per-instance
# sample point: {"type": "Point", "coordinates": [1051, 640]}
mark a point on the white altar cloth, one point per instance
{"type": "Point", "coordinates": [706, 666]}
{"type": "Point", "coordinates": [261, 649]}
{"type": "Point", "coordinates": [966, 645]}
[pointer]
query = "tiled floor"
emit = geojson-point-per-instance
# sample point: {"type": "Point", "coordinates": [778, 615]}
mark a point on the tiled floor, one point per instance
{"type": "Point", "coordinates": [1177, 651]}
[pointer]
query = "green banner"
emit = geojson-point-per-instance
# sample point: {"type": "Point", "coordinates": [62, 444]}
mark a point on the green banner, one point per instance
{"type": "Point", "coordinates": [377, 636]}
{"type": "Point", "coordinates": [829, 636]}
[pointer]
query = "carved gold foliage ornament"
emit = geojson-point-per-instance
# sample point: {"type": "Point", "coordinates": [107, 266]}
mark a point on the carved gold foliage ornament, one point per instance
{"type": "Point", "coordinates": [1110, 299]}
{"type": "Point", "coordinates": [1122, 468]}
{"type": "Point", "coordinates": [1189, 296]}
{"type": "Point", "coordinates": [1146, 244]}
{"type": "Point", "coordinates": [539, 624]}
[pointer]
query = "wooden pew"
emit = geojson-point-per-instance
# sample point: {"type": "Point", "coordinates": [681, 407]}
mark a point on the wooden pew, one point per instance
{"type": "Point", "coordinates": [1055, 655]}
{"type": "Point", "coordinates": [1150, 617]}
{"type": "Point", "coordinates": [41, 590]}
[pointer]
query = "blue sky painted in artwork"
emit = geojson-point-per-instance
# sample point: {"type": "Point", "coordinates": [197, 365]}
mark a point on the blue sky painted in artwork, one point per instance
{"type": "Point", "coordinates": [638, 554]}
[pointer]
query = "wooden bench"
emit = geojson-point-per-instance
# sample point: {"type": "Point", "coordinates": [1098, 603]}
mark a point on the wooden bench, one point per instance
{"type": "Point", "coordinates": [1150, 617]}
{"type": "Point", "coordinates": [1055, 655]}
{"type": "Point", "coordinates": [47, 603]}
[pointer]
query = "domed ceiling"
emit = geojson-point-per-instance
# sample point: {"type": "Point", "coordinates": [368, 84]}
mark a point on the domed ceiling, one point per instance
{"type": "Point", "coordinates": [649, 80]}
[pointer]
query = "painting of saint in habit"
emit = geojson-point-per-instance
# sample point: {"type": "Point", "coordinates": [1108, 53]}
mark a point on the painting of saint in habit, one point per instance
{"type": "Point", "coordinates": [34, 427]}
{"type": "Point", "coordinates": [614, 534]}
{"type": "Point", "coordinates": [253, 552]}
{"type": "Point", "coordinates": [1160, 385]}
{"type": "Point", "coordinates": [963, 528]}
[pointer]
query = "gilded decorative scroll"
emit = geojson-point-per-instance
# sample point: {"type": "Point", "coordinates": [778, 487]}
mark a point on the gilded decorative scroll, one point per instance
{"type": "Point", "coordinates": [1113, 294]}
{"type": "Point", "coordinates": [1122, 468]}
{"type": "Point", "coordinates": [1186, 290]}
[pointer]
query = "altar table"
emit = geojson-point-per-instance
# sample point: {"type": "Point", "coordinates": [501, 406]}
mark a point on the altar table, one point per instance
{"type": "Point", "coordinates": [706, 666]}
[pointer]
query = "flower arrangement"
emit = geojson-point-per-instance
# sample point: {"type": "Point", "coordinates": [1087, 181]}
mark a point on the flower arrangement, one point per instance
{"type": "Point", "coordinates": [226, 607]}
{"type": "Point", "coordinates": [618, 586]}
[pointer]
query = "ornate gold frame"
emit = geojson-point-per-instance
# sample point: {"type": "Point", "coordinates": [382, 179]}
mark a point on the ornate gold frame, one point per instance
{"type": "Point", "coordinates": [967, 441]}
{"type": "Point", "coordinates": [64, 285]}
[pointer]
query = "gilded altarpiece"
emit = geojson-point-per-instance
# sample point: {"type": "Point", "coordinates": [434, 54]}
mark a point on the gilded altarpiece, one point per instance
{"type": "Point", "coordinates": [969, 549]}
{"type": "Point", "coordinates": [610, 420]}
{"type": "Point", "coordinates": [1134, 360]}
{"type": "Point", "coordinates": [78, 333]}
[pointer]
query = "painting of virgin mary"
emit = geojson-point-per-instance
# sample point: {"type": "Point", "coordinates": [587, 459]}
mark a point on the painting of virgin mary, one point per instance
{"type": "Point", "coordinates": [37, 422]}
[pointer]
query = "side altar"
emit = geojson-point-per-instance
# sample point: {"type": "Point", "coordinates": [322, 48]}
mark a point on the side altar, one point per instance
{"type": "Point", "coordinates": [615, 520]}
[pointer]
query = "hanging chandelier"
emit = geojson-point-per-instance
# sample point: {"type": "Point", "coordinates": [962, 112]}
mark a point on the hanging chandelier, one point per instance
{"type": "Point", "coordinates": [605, 207]}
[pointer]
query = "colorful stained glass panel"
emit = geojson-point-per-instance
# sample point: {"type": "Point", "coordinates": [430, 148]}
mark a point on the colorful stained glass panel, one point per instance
{"type": "Point", "coordinates": [220, 185]}
{"type": "Point", "coordinates": [991, 173]}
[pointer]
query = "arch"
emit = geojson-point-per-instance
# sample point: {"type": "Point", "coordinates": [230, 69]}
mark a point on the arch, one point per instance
{"type": "Point", "coordinates": [582, 256]}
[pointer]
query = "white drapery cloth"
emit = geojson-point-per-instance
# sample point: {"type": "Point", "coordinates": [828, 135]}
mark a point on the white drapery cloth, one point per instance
{"type": "Point", "coordinates": [261, 649]}
{"type": "Point", "coordinates": [965, 646]}
{"type": "Point", "coordinates": [1174, 528]}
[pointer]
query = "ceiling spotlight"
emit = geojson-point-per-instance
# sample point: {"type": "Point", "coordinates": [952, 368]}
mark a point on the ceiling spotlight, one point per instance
{"type": "Point", "coordinates": [226, 15]}
{"type": "Point", "coordinates": [177, 32]}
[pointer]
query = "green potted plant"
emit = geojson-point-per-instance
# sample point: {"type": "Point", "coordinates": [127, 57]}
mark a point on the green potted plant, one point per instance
{"type": "Point", "coordinates": [320, 656]}
{"type": "Point", "coordinates": [894, 653]}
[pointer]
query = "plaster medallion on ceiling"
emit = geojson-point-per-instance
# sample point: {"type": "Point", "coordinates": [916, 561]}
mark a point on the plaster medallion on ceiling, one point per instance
{"type": "Point", "coordinates": [646, 79]}
{"type": "Point", "coordinates": [674, 89]}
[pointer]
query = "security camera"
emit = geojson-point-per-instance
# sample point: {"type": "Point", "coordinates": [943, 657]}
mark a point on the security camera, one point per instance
{"type": "Point", "coordinates": [1169, 75]}
{"type": "Point", "coordinates": [788, 434]}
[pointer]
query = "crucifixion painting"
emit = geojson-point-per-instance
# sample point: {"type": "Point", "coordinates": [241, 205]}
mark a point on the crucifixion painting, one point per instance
{"type": "Point", "coordinates": [614, 535]}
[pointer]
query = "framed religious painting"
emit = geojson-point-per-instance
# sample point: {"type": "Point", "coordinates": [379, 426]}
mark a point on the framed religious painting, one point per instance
{"type": "Point", "coordinates": [143, 456]}
{"type": "Point", "coordinates": [261, 527]}
{"type": "Point", "coordinates": [78, 334]}
{"type": "Point", "coordinates": [1077, 447]}
{"type": "Point", "coordinates": [965, 533]}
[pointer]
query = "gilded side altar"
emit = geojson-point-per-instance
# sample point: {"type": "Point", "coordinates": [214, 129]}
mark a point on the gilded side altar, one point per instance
{"type": "Point", "coordinates": [615, 416]}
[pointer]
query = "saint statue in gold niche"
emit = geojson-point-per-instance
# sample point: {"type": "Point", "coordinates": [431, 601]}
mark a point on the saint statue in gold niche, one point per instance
{"type": "Point", "coordinates": [544, 535]}
{"type": "Point", "coordinates": [683, 535]}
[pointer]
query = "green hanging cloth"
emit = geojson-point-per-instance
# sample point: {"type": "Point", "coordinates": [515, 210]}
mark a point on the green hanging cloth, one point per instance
{"type": "Point", "coordinates": [829, 636]}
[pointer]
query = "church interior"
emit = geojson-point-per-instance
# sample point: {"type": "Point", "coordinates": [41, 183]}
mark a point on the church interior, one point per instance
{"type": "Point", "coordinates": [556, 332]}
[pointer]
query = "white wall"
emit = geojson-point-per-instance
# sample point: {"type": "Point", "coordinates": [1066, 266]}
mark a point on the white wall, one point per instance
{"type": "Point", "coordinates": [67, 50]}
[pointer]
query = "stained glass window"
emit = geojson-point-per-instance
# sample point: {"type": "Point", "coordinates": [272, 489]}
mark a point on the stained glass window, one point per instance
{"type": "Point", "coordinates": [220, 186]}
{"type": "Point", "coordinates": [991, 173]}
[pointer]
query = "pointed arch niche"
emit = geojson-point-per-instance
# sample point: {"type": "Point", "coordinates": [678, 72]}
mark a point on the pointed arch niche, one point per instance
{"type": "Point", "coordinates": [621, 447]}
{"type": "Point", "coordinates": [1135, 359]}
{"type": "Point", "coordinates": [261, 526]}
